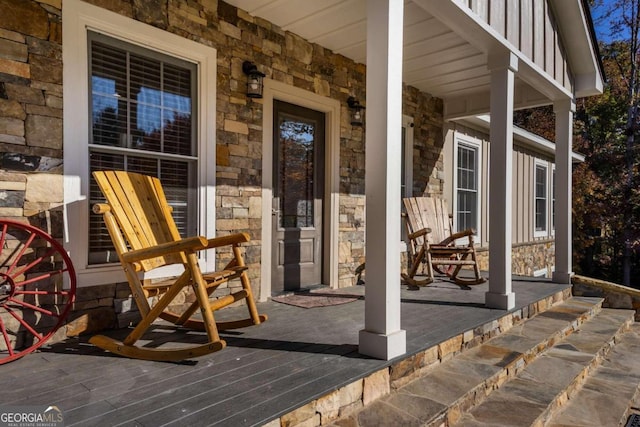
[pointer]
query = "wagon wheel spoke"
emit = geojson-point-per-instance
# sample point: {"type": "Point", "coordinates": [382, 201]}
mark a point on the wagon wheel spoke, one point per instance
{"type": "Point", "coordinates": [26, 325]}
{"type": "Point", "coordinates": [37, 288]}
{"type": "Point", "coordinates": [41, 277]}
{"type": "Point", "coordinates": [5, 336]}
{"type": "Point", "coordinates": [23, 248]}
{"type": "Point", "coordinates": [35, 308]}
{"type": "Point", "coordinates": [34, 263]}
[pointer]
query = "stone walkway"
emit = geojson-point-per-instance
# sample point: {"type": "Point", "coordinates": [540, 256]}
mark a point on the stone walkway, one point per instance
{"type": "Point", "coordinates": [607, 392]}
{"type": "Point", "coordinates": [532, 375]}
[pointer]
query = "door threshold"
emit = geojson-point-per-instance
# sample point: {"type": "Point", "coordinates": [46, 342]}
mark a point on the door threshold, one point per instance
{"type": "Point", "coordinates": [303, 290]}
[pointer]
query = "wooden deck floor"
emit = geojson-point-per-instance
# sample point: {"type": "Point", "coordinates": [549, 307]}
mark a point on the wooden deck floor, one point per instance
{"type": "Point", "coordinates": [266, 371]}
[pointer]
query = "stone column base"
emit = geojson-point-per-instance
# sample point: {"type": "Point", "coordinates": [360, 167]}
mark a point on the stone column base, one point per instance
{"type": "Point", "coordinates": [380, 346]}
{"type": "Point", "coordinates": [500, 301]}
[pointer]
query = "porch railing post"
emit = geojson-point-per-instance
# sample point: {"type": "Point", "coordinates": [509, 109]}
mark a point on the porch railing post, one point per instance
{"type": "Point", "coordinates": [503, 68]}
{"type": "Point", "coordinates": [382, 337]}
{"type": "Point", "coordinates": [563, 187]}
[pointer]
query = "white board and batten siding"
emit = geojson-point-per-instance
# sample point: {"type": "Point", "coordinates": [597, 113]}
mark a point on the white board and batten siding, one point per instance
{"type": "Point", "coordinates": [530, 26]}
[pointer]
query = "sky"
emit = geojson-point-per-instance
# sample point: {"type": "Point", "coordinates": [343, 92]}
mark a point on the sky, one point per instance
{"type": "Point", "coordinates": [603, 32]}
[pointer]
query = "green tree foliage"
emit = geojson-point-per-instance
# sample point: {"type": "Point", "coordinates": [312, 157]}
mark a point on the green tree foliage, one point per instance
{"type": "Point", "coordinates": [607, 185]}
{"type": "Point", "coordinates": [599, 201]}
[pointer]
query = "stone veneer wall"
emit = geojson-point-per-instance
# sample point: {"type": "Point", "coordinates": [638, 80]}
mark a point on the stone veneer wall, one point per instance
{"type": "Point", "coordinates": [31, 185]}
{"type": "Point", "coordinates": [31, 112]}
{"type": "Point", "coordinates": [526, 258]}
{"type": "Point", "coordinates": [615, 295]}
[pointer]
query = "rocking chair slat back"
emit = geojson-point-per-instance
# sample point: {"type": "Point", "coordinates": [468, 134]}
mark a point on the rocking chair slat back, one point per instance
{"type": "Point", "coordinates": [414, 218]}
{"type": "Point", "coordinates": [431, 213]}
{"type": "Point", "coordinates": [142, 212]}
{"type": "Point", "coordinates": [437, 214]}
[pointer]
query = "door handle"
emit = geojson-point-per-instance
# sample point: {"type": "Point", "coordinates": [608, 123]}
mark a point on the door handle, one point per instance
{"type": "Point", "coordinates": [275, 211]}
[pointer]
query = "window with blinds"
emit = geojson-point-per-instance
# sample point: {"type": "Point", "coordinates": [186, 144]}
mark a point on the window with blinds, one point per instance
{"type": "Point", "coordinates": [142, 120]}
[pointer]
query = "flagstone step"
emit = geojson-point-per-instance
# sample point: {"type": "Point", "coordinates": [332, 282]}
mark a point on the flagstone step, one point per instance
{"type": "Point", "coordinates": [609, 394]}
{"type": "Point", "coordinates": [444, 393]}
{"type": "Point", "coordinates": [544, 386]}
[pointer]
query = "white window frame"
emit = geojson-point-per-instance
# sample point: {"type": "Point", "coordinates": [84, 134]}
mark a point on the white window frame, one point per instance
{"type": "Point", "coordinates": [78, 18]}
{"type": "Point", "coordinates": [546, 166]}
{"type": "Point", "coordinates": [407, 128]}
{"type": "Point", "coordinates": [543, 272]}
{"type": "Point", "coordinates": [546, 272]}
{"type": "Point", "coordinates": [552, 202]}
{"type": "Point", "coordinates": [475, 144]}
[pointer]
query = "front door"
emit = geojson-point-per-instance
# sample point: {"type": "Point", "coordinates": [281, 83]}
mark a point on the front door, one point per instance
{"type": "Point", "coordinates": [298, 189]}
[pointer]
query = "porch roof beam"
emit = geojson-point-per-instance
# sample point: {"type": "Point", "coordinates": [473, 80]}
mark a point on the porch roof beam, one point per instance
{"type": "Point", "coordinates": [478, 104]}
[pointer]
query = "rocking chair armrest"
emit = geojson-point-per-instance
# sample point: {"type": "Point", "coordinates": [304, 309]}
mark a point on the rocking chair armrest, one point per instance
{"type": "Point", "coordinates": [469, 232]}
{"type": "Point", "coordinates": [419, 233]}
{"type": "Point", "coordinates": [191, 244]}
{"type": "Point", "coordinates": [232, 239]}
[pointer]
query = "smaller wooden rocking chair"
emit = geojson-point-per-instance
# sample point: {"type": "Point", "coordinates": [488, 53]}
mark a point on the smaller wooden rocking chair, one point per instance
{"type": "Point", "coordinates": [145, 237]}
{"type": "Point", "coordinates": [433, 245]}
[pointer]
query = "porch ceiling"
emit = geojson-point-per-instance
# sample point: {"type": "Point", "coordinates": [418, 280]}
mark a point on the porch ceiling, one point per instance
{"type": "Point", "coordinates": [445, 56]}
{"type": "Point", "coordinates": [436, 59]}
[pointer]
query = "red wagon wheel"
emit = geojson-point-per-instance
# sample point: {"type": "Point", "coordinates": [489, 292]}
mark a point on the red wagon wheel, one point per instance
{"type": "Point", "coordinates": [37, 288]}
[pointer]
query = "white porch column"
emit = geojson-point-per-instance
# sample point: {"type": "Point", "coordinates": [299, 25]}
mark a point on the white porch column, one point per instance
{"type": "Point", "coordinates": [564, 145]}
{"type": "Point", "coordinates": [503, 68]}
{"type": "Point", "coordinates": [382, 337]}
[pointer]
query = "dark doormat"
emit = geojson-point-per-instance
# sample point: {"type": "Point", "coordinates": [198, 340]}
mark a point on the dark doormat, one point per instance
{"type": "Point", "coordinates": [633, 421]}
{"type": "Point", "coordinates": [317, 298]}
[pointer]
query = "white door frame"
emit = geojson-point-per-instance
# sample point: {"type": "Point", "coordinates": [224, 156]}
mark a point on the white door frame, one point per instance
{"type": "Point", "coordinates": [331, 107]}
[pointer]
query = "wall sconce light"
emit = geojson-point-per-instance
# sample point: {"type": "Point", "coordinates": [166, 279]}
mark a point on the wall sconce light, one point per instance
{"type": "Point", "coordinates": [357, 118]}
{"type": "Point", "coordinates": [255, 80]}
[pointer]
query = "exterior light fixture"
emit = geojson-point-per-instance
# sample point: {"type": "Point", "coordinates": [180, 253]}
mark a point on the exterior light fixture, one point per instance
{"type": "Point", "coordinates": [357, 111]}
{"type": "Point", "coordinates": [254, 80]}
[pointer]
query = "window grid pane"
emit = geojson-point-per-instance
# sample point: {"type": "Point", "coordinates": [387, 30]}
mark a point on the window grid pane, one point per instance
{"type": "Point", "coordinates": [541, 198]}
{"type": "Point", "coordinates": [467, 188]}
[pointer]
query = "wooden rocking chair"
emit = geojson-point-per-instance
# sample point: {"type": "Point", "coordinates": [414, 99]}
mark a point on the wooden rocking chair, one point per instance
{"type": "Point", "coordinates": [145, 237]}
{"type": "Point", "coordinates": [433, 245]}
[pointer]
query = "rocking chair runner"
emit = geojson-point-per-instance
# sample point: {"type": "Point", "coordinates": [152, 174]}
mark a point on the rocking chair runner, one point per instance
{"type": "Point", "coordinates": [433, 245]}
{"type": "Point", "coordinates": [145, 237]}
